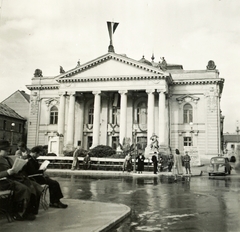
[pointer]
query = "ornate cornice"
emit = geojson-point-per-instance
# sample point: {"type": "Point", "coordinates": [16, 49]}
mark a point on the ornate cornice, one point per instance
{"type": "Point", "coordinates": [41, 87]}
{"type": "Point", "coordinates": [115, 78]}
{"type": "Point", "coordinates": [69, 76]}
{"type": "Point", "coordinates": [198, 82]}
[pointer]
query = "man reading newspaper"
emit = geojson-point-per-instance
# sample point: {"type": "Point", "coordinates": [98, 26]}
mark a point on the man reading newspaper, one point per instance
{"type": "Point", "coordinates": [33, 169]}
{"type": "Point", "coordinates": [26, 192]}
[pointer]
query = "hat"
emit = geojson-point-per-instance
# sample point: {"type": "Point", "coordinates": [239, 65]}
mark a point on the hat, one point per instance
{"type": "Point", "coordinates": [4, 144]}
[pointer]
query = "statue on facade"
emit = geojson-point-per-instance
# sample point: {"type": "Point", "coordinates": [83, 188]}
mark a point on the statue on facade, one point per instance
{"type": "Point", "coordinates": [154, 145]}
{"type": "Point", "coordinates": [61, 70]}
{"type": "Point", "coordinates": [163, 64]}
{"type": "Point", "coordinates": [38, 73]}
{"type": "Point", "coordinates": [211, 65]}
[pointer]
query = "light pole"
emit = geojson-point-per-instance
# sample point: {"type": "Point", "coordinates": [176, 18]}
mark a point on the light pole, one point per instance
{"type": "Point", "coordinates": [135, 150]}
{"type": "Point", "coordinates": [12, 130]}
{"type": "Point", "coordinates": [237, 130]}
{"type": "Point", "coordinates": [191, 131]}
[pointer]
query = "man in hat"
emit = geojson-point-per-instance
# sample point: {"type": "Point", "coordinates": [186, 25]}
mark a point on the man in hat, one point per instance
{"type": "Point", "coordinates": [32, 168]}
{"type": "Point", "coordinates": [24, 190]}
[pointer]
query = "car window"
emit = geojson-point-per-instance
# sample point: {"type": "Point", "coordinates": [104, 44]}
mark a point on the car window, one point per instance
{"type": "Point", "coordinates": [217, 160]}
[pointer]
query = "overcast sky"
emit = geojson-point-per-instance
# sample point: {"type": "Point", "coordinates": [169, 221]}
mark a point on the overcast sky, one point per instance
{"type": "Point", "coordinates": [45, 34]}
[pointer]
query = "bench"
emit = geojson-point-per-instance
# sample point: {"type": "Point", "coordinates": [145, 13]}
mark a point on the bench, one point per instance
{"type": "Point", "coordinates": [6, 202]}
{"type": "Point", "coordinates": [106, 164]}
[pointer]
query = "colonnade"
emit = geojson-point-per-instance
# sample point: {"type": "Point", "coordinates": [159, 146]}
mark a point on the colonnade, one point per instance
{"type": "Point", "coordinates": [151, 128]}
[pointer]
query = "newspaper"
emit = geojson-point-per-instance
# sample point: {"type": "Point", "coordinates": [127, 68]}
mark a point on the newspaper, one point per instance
{"type": "Point", "coordinates": [18, 164]}
{"type": "Point", "coordinates": [44, 165]}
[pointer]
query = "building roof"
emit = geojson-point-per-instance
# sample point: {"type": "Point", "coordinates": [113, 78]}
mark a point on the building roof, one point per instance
{"type": "Point", "coordinates": [22, 92]}
{"type": "Point", "coordinates": [7, 111]}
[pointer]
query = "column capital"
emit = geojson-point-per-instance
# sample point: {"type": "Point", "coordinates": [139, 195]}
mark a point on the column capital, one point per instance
{"type": "Point", "coordinates": [96, 92]}
{"type": "Point", "coordinates": [123, 92]}
{"type": "Point", "coordinates": [161, 91]}
{"type": "Point", "coordinates": [148, 91]}
{"type": "Point", "coordinates": [62, 93]}
{"type": "Point", "coordinates": [71, 93]}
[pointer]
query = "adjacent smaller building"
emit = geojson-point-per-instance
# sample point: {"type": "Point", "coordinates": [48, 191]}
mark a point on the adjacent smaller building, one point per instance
{"type": "Point", "coordinates": [11, 126]}
{"type": "Point", "coordinates": [19, 102]}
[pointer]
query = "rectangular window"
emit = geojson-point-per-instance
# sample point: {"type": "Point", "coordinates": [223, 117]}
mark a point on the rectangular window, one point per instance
{"type": "Point", "coordinates": [4, 124]}
{"type": "Point", "coordinates": [115, 141]}
{"type": "Point", "coordinates": [89, 142]}
{"type": "Point", "coordinates": [142, 143]}
{"type": "Point", "coordinates": [54, 117]}
{"type": "Point", "coordinates": [187, 141]}
{"type": "Point", "coordinates": [90, 116]}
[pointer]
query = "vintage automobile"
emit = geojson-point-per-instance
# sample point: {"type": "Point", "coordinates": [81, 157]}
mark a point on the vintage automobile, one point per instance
{"type": "Point", "coordinates": [219, 165]}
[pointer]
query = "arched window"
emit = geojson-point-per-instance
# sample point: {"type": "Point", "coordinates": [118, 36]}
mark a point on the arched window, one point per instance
{"type": "Point", "coordinates": [54, 115]}
{"type": "Point", "coordinates": [187, 113]}
{"type": "Point", "coordinates": [90, 114]}
{"type": "Point", "coordinates": [142, 113]}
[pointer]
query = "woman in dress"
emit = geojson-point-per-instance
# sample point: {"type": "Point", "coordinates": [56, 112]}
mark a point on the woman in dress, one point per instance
{"type": "Point", "coordinates": [140, 163]}
{"type": "Point", "coordinates": [178, 169]}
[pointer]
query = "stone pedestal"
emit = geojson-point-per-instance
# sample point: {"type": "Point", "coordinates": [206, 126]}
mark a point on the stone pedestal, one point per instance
{"type": "Point", "coordinates": [55, 145]}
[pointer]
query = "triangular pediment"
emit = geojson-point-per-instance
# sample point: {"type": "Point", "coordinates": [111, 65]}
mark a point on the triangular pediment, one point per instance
{"type": "Point", "coordinates": [109, 66]}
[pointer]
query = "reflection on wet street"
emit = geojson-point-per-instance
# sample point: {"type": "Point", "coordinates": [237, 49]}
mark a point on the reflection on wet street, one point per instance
{"type": "Point", "coordinates": [160, 204]}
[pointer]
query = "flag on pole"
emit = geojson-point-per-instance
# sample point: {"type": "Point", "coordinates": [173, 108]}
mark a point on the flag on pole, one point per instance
{"type": "Point", "coordinates": [111, 29]}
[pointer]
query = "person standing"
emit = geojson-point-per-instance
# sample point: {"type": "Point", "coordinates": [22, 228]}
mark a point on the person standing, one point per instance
{"type": "Point", "coordinates": [32, 168]}
{"type": "Point", "coordinates": [170, 162]}
{"type": "Point", "coordinates": [140, 163]}
{"type": "Point", "coordinates": [87, 162]}
{"type": "Point", "coordinates": [187, 160]}
{"type": "Point", "coordinates": [155, 162]}
{"type": "Point", "coordinates": [177, 159]}
{"type": "Point", "coordinates": [76, 153]}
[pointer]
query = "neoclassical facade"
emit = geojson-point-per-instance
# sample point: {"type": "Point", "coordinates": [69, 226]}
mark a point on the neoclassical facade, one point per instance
{"type": "Point", "coordinates": [114, 97]}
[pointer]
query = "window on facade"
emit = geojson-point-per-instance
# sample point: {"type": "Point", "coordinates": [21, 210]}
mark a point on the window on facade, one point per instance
{"type": "Point", "coordinates": [54, 115]}
{"type": "Point", "coordinates": [142, 113]}
{"type": "Point", "coordinates": [4, 124]}
{"type": "Point", "coordinates": [187, 141]}
{"type": "Point", "coordinates": [20, 128]}
{"type": "Point", "coordinates": [89, 142]}
{"type": "Point", "coordinates": [90, 114]}
{"type": "Point", "coordinates": [142, 143]}
{"type": "Point", "coordinates": [187, 113]}
{"type": "Point", "coordinates": [115, 141]}
{"type": "Point", "coordinates": [115, 115]}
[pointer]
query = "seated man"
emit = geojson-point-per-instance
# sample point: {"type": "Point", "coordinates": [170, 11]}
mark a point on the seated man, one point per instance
{"type": "Point", "coordinates": [26, 193]}
{"type": "Point", "coordinates": [32, 168]}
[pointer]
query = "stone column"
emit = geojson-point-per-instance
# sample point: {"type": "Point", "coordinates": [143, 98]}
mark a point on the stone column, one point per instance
{"type": "Point", "coordinates": [96, 118]}
{"type": "Point", "coordinates": [123, 116]}
{"type": "Point", "coordinates": [161, 117]}
{"type": "Point", "coordinates": [150, 115]}
{"type": "Point", "coordinates": [61, 114]}
{"type": "Point", "coordinates": [71, 117]}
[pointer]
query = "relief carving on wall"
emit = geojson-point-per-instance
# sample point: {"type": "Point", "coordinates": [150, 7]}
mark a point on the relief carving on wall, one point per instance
{"type": "Point", "coordinates": [34, 103]}
{"type": "Point", "coordinates": [187, 98]}
{"type": "Point", "coordinates": [51, 102]}
{"type": "Point", "coordinates": [211, 96]}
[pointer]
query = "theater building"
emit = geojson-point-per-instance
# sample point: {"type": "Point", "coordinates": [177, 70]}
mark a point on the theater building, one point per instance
{"type": "Point", "coordinates": [114, 97]}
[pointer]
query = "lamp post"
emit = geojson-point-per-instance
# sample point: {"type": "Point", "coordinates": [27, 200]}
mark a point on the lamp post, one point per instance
{"type": "Point", "coordinates": [237, 130]}
{"type": "Point", "coordinates": [191, 131]}
{"type": "Point", "coordinates": [12, 130]}
{"type": "Point", "coordinates": [135, 150]}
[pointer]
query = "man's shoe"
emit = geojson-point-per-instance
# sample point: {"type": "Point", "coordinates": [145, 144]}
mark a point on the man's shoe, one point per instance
{"type": "Point", "coordinates": [58, 205]}
{"type": "Point", "coordinates": [29, 217]}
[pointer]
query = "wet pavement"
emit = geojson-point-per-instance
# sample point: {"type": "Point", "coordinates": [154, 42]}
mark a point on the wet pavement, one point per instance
{"type": "Point", "coordinates": [157, 203]}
